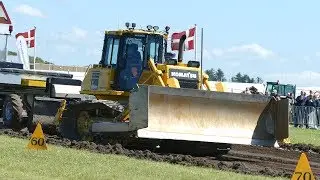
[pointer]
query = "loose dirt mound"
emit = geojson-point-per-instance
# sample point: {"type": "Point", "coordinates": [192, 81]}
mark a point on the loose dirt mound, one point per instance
{"type": "Point", "coordinates": [302, 147]}
{"type": "Point", "coordinates": [243, 159]}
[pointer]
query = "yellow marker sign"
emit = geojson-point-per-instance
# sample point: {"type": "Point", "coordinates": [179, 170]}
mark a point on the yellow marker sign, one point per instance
{"type": "Point", "coordinates": [37, 140]}
{"type": "Point", "coordinates": [303, 170]}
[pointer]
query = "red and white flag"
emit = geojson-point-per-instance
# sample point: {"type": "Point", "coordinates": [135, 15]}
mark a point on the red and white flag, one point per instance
{"type": "Point", "coordinates": [189, 42]}
{"type": "Point", "coordinates": [29, 36]}
{"type": "Point", "coordinates": [4, 17]}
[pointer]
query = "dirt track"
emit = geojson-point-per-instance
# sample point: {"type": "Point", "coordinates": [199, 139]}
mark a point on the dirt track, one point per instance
{"type": "Point", "coordinates": [241, 159]}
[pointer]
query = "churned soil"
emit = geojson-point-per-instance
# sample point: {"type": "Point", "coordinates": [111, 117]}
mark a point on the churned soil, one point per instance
{"type": "Point", "coordinates": [241, 159]}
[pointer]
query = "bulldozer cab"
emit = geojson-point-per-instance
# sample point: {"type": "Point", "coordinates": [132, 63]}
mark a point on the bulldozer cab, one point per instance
{"type": "Point", "coordinates": [132, 57]}
{"type": "Point", "coordinates": [128, 54]}
{"type": "Point", "coordinates": [282, 90]}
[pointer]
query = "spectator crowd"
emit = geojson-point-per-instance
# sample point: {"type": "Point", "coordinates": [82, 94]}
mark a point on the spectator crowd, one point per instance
{"type": "Point", "coordinates": [306, 111]}
{"type": "Point", "coordinates": [311, 100]}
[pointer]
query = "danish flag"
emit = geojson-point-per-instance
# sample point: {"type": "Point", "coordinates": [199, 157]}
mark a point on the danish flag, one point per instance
{"type": "Point", "coordinates": [29, 36]}
{"type": "Point", "coordinates": [189, 42]}
{"type": "Point", "coordinates": [4, 17]}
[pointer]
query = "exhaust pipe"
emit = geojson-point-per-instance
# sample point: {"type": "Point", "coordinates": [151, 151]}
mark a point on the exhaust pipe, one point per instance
{"type": "Point", "coordinates": [181, 46]}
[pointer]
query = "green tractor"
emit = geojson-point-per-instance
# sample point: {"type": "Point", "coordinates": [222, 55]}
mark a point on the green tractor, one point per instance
{"type": "Point", "coordinates": [282, 90]}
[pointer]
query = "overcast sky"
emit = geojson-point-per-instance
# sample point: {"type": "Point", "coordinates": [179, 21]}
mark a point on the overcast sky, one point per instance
{"type": "Point", "coordinates": [272, 39]}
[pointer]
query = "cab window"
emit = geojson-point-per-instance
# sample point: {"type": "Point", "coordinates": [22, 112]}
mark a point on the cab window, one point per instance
{"type": "Point", "coordinates": [133, 52]}
{"type": "Point", "coordinates": [134, 47]}
{"type": "Point", "coordinates": [270, 88]}
{"type": "Point", "coordinates": [111, 51]}
{"type": "Point", "coordinates": [155, 50]}
{"type": "Point", "coordinates": [115, 49]}
{"type": "Point", "coordinates": [154, 53]}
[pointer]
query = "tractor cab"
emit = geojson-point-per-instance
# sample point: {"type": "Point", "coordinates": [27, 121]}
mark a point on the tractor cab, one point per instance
{"type": "Point", "coordinates": [282, 90]}
{"type": "Point", "coordinates": [139, 56]}
{"type": "Point", "coordinates": [128, 52]}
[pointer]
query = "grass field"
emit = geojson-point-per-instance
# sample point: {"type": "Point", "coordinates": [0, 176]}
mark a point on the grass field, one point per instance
{"type": "Point", "coordinates": [305, 136]}
{"type": "Point", "coordinates": [16, 162]}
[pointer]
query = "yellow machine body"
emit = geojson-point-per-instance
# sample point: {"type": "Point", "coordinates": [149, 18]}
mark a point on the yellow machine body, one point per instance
{"type": "Point", "coordinates": [170, 103]}
{"type": "Point", "coordinates": [157, 75]}
{"type": "Point", "coordinates": [104, 78]}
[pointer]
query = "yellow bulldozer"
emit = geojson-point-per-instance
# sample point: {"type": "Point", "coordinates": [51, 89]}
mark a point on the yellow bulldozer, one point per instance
{"type": "Point", "coordinates": [139, 93]}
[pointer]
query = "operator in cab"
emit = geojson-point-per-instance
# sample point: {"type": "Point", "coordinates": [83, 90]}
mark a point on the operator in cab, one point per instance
{"type": "Point", "coordinates": [134, 65]}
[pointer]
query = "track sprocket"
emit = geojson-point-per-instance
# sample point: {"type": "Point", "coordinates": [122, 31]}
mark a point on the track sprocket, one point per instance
{"type": "Point", "coordinates": [78, 117]}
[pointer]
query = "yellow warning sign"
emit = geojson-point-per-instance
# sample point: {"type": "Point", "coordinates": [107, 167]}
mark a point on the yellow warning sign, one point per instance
{"type": "Point", "coordinates": [303, 170]}
{"type": "Point", "coordinates": [37, 140]}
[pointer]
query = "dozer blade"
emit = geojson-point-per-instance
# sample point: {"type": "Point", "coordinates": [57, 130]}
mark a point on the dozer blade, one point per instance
{"type": "Point", "coordinates": [208, 116]}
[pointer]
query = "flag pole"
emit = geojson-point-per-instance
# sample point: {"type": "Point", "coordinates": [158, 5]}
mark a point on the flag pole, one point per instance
{"type": "Point", "coordinates": [34, 55]}
{"type": "Point", "coordinates": [195, 42]}
{"type": "Point", "coordinates": [201, 58]}
{"type": "Point", "coordinates": [6, 49]}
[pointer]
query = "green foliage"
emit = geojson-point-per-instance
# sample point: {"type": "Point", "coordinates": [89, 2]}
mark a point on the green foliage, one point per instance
{"type": "Point", "coordinates": [38, 59]}
{"type": "Point", "coordinates": [259, 80]}
{"type": "Point", "coordinates": [215, 75]}
{"type": "Point", "coordinates": [218, 75]}
{"type": "Point", "coordinates": [11, 53]}
{"type": "Point", "coordinates": [244, 78]}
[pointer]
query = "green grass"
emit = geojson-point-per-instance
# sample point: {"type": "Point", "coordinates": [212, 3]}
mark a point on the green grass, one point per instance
{"type": "Point", "coordinates": [17, 162]}
{"type": "Point", "coordinates": [304, 136]}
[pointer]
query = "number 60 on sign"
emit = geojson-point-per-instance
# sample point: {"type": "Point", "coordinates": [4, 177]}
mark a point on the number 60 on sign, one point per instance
{"type": "Point", "coordinates": [37, 140]}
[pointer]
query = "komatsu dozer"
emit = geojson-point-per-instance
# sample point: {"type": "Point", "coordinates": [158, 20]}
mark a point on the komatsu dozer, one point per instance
{"type": "Point", "coordinates": [141, 93]}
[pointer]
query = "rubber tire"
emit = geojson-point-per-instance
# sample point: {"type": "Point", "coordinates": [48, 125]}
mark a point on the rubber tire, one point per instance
{"type": "Point", "coordinates": [17, 122]}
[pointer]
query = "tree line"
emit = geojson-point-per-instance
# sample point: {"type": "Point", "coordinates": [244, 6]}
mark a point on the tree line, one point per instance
{"type": "Point", "coordinates": [38, 59]}
{"type": "Point", "coordinates": [218, 75]}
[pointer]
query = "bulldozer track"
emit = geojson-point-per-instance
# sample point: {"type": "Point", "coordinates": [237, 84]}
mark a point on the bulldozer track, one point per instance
{"type": "Point", "coordinates": [241, 159]}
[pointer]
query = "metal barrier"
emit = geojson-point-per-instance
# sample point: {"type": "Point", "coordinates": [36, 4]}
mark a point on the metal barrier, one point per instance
{"type": "Point", "coordinates": [305, 117]}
